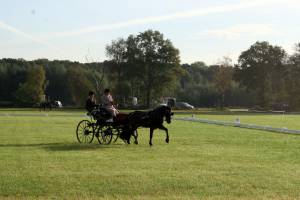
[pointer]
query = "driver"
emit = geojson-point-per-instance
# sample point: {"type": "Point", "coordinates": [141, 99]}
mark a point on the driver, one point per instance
{"type": "Point", "coordinates": [108, 103]}
{"type": "Point", "coordinates": [90, 103]}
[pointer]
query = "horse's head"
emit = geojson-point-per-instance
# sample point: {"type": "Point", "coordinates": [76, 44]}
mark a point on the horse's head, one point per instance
{"type": "Point", "coordinates": [168, 116]}
{"type": "Point", "coordinates": [166, 112]}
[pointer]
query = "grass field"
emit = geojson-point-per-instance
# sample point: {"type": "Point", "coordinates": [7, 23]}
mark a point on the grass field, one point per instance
{"type": "Point", "coordinates": [41, 159]}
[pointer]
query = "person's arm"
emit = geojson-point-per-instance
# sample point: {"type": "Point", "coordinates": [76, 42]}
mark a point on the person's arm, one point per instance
{"type": "Point", "coordinates": [95, 105]}
{"type": "Point", "coordinates": [110, 99]}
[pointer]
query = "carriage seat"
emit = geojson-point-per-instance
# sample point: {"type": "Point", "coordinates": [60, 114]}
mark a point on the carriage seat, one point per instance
{"type": "Point", "coordinates": [100, 114]}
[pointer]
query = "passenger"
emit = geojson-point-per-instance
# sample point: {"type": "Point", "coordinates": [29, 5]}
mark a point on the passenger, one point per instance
{"type": "Point", "coordinates": [90, 103]}
{"type": "Point", "coordinates": [108, 103]}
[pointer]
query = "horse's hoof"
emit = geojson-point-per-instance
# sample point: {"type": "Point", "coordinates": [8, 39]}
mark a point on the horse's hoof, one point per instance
{"type": "Point", "coordinates": [150, 144]}
{"type": "Point", "coordinates": [167, 140]}
{"type": "Point", "coordinates": [136, 142]}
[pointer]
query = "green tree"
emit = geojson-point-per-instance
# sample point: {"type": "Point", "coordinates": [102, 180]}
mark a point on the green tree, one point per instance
{"type": "Point", "coordinates": [293, 81]}
{"type": "Point", "coordinates": [223, 79]}
{"type": "Point", "coordinates": [158, 61]}
{"type": "Point", "coordinates": [79, 85]}
{"type": "Point", "coordinates": [261, 68]}
{"type": "Point", "coordinates": [57, 88]}
{"type": "Point", "coordinates": [148, 60]}
{"type": "Point", "coordinates": [196, 85]}
{"type": "Point", "coordinates": [223, 82]}
{"type": "Point", "coordinates": [32, 91]}
{"type": "Point", "coordinates": [14, 73]}
{"type": "Point", "coordinates": [116, 51]}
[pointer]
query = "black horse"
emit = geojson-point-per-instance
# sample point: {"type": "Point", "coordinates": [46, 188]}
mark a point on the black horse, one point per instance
{"type": "Point", "coordinates": [153, 119]}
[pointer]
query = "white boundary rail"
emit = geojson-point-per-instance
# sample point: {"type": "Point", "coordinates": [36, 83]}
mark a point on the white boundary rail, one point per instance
{"type": "Point", "coordinates": [239, 125]}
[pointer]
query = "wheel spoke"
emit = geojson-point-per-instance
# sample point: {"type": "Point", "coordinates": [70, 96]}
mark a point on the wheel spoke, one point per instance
{"type": "Point", "coordinates": [83, 125]}
{"type": "Point", "coordinates": [85, 132]}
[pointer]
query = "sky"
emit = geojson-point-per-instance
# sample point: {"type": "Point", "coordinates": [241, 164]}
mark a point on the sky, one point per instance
{"type": "Point", "coordinates": [202, 30]}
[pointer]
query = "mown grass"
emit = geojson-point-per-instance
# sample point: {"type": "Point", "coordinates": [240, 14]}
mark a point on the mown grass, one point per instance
{"type": "Point", "coordinates": [41, 159]}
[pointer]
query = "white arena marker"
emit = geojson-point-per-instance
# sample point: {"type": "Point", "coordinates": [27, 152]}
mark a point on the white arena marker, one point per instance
{"type": "Point", "coordinates": [249, 126]}
{"type": "Point", "coordinates": [237, 121]}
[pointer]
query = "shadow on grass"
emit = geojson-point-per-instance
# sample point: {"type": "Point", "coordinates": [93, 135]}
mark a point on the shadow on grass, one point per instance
{"type": "Point", "coordinates": [77, 147]}
{"type": "Point", "coordinates": [64, 146]}
{"type": "Point", "coordinates": [28, 145]}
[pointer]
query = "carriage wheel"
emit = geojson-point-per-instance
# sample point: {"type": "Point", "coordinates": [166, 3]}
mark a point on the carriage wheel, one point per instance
{"type": "Point", "coordinates": [115, 137]}
{"type": "Point", "coordinates": [116, 134]}
{"type": "Point", "coordinates": [98, 134]}
{"type": "Point", "coordinates": [85, 132]}
{"type": "Point", "coordinates": [105, 134]}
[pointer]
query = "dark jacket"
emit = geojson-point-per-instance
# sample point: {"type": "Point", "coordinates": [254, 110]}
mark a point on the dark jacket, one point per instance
{"type": "Point", "coordinates": [90, 105]}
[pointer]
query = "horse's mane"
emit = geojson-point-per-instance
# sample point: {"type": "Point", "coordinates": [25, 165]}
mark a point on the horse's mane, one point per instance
{"type": "Point", "coordinates": [144, 117]}
{"type": "Point", "coordinates": [160, 109]}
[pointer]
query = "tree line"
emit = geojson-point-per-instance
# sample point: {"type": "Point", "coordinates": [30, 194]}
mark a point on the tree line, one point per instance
{"type": "Point", "coordinates": [147, 66]}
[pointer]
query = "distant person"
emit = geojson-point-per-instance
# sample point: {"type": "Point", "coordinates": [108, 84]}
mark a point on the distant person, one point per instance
{"type": "Point", "coordinates": [90, 103]}
{"type": "Point", "coordinates": [108, 103]}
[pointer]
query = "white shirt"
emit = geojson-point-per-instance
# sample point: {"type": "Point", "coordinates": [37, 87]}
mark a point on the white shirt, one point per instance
{"type": "Point", "coordinates": [106, 100]}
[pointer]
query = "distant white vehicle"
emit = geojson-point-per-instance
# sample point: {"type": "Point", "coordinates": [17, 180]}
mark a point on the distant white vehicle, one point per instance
{"type": "Point", "coordinates": [134, 101]}
{"type": "Point", "coordinates": [163, 104]}
{"type": "Point", "coordinates": [58, 104]}
{"type": "Point", "coordinates": [183, 105]}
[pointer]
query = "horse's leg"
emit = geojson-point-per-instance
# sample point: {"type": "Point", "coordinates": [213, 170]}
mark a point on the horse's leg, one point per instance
{"type": "Point", "coordinates": [130, 134]}
{"type": "Point", "coordinates": [167, 134]}
{"type": "Point", "coordinates": [128, 139]}
{"type": "Point", "coordinates": [151, 135]}
{"type": "Point", "coordinates": [136, 137]}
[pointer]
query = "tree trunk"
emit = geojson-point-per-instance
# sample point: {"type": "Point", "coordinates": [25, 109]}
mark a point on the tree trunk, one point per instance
{"type": "Point", "coordinates": [222, 101]}
{"type": "Point", "coordinates": [149, 86]}
{"type": "Point", "coordinates": [118, 88]}
{"type": "Point", "coordinates": [148, 97]}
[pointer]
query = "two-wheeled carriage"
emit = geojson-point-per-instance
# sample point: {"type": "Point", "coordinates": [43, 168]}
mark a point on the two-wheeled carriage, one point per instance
{"type": "Point", "coordinates": [102, 126]}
